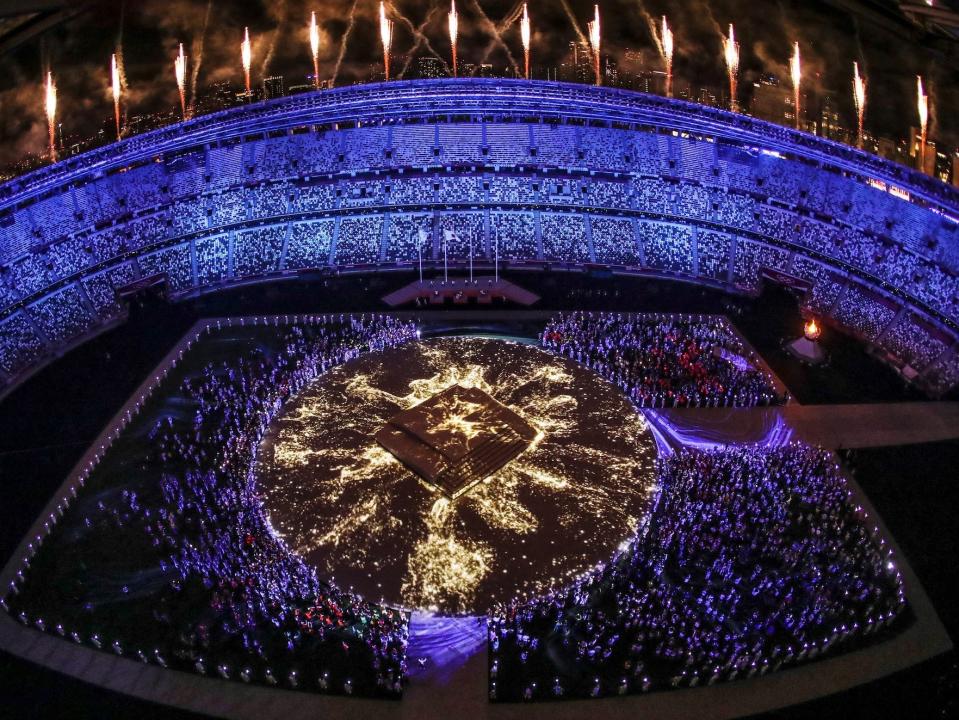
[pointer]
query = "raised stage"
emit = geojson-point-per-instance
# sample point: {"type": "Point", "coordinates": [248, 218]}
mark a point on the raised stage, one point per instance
{"type": "Point", "coordinates": [456, 438]}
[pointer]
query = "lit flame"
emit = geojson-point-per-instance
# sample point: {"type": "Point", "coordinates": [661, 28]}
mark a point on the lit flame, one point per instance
{"type": "Point", "coordinates": [795, 72]}
{"type": "Point", "coordinates": [246, 54]}
{"type": "Point", "coordinates": [179, 66]}
{"type": "Point", "coordinates": [923, 107]}
{"type": "Point", "coordinates": [667, 45]}
{"type": "Point", "coordinates": [524, 31]}
{"type": "Point", "coordinates": [731, 53]}
{"type": "Point", "coordinates": [386, 38]}
{"type": "Point", "coordinates": [812, 330]}
{"type": "Point", "coordinates": [51, 108]}
{"type": "Point", "coordinates": [859, 97]}
{"type": "Point", "coordinates": [315, 49]}
{"type": "Point", "coordinates": [454, 31]}
{"type": "Point", "coordinates": [594, 36]}
{"type": "Point", "coordinates": [115, 80]}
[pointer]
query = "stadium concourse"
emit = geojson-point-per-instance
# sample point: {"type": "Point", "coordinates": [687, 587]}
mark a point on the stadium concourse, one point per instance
{"type": "Point", "coordinates": [672, 248]}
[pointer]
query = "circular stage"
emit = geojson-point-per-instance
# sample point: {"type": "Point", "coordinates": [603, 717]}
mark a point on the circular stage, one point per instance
{"type": "Point", "coordinates": [453, 472]}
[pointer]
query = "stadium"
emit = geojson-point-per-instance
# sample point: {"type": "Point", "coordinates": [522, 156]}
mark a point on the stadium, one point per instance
{"type": "Point", "coordinates": [494, 396]}
{"type": "Point", "coordinates": [555, 175]}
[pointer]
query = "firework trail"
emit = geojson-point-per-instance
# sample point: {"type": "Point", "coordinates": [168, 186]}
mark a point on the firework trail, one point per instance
{"type": "Point", "coordinates": [420, 39]}
{"type": "Point", "coordinates": [496, 36]}
{"type": "Point", "coordinates": [115, 86]}
{"type": "Point", "coordinates": [583, 40]}
{"type": "Point", "coordinates": [50, 105]}
{"type": "Point", "coordinates": [197, 51]}
{"type": "Point", "coordinates": [923, 108]}
{"type": "Point", "coordinates": [453, 20]}
{"type": "Point", "coordinates": [118, 76]}
{"type": "Point", "coordinates": [731, 55]}
{"type": "Point", "coordinates": [315, 50]}
{"type": "Point", "coordinates": [386, 39]}
{"type": "Point", "coordinates": [179, 67]}
{"type": "Point", "coordinates": [524, 31]}
{"type": "Point", "coordinates": [662, 35]}
{"type": "Point", "coordinates": [795, 73]}
{"type": "Point", "coordinates": [666, 48]}
{"type": "Point", "coordinates": [859, 97]}
{"type": "Point", "coordinates": [351, 21]}
{"type": "Point", "coordinates": [280, 14]}
{"type": "Point", "coordinates": [246, 54]}
{"type": "Point", "coordinates": [594, 36]}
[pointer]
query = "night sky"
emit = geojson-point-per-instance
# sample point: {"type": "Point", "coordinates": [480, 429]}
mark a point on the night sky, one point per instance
{"type": "Point", "coordinates": [147, 33]}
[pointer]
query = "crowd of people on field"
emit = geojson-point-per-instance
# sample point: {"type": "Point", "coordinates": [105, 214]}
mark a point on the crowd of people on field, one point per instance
{"type": "Point", "coordinates": [752, 558]}
{"type": "Point", "coordinates": [665, 360]}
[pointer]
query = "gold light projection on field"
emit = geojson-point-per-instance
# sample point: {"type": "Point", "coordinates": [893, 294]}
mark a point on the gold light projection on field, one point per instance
{"type": "Point", "coordinates": [354, 511]}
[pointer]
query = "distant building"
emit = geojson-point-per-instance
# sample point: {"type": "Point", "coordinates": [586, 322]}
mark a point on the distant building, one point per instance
{"type": "Point", "coordinates": [886, 147]}
{"type": "Point", "coordinates": [578, 64]}
{"type": "Point", "coordinates": [610, 73]}
{"type": "Point", "coordinates": [653, 82]}
{"type": "Point", "coordinates": [924, 163]}
{"type": "Point", "coordinates": [771, 101]}
{"type": "Point", "coordinates": [429, 68]}
{"type": "Point", "coordinates": [273, 87]}
{"type": "Point", "coordinates": [942, 167]}
{"type": "Point", "coordinates": [829, 123]}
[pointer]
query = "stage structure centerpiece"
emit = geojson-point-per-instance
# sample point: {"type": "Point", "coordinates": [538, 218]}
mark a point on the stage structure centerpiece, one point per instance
{"type": "Point", "coordinates": [456, 438]}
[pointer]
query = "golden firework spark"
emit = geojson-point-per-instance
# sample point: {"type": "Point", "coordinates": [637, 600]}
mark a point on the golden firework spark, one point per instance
{"type": "Point", "coordinates": [666, 43]}
{"type": "Point", "coordinates": [731, 55]}
{"type": "Point", "coordinates": [923, 107]}
{"type": "Point", "coordinates": [594, 39]}
{"type": "Point", "coordinates": [115, 86]}
{"type": "Point", "coordinates": [246, 54]}
{"type": "Point", "coordinates": [525, 36]}
{"type": "Point", "coordinates": [315, 49]}
{"type": "Point", "coordinates": [386, 39]}
{"type": "Point", "coordinates": [795, 73]}
{"type": "Point", "coordinates": [50, 105]}
{"type": "Point", "coordinates": [454, 26]}
{"type": "Point", "coordinates": [859, 98]}
{"type": "Point", "coordinates": [179, 68]}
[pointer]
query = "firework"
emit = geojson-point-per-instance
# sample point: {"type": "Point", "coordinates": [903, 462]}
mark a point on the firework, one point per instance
{"type": "Point", "coordinates": [386, 37]}
{"type": "Point", "coordinates": [667, 47]}
{"type": "Point", "coordinates": [859, 97]}
{"type": "Point", "coordinates": [115, 79]}
{"type": "Point", "coordinates": [524, 31]}
{"type": "Point", "coordinates": [731, 53]}
{"type": "Point", "coordinates": [454, 31]}
{"type": "Point", "coordinates": [795, 72]}
{"type": "Point", "coordinates": [246, 53]}
{"type": "Point", "coordinates": [315, 49]}
{"type": "Point", "coordinates": [179, 66]}
{"type": "Point", "coordinates": [594, 41]}
{"type": "Point", "coordinates": [51, 108]}
{"type": "Point", "coordinates": [923, 107]}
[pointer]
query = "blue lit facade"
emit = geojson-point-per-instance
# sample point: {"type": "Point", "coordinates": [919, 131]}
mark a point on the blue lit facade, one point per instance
{"type": "Point", "coordinates": [365, 178]}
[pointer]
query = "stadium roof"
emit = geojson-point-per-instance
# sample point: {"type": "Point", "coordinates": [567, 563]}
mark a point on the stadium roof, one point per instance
{"type": "Point", "coordinates": [23, 20]}
{"type": "Point", "coordinates": [936, 16]}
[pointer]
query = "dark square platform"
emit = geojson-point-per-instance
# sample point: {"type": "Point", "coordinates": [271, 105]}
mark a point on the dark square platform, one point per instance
{"type": "Point", "coordinates": [456, 438]}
